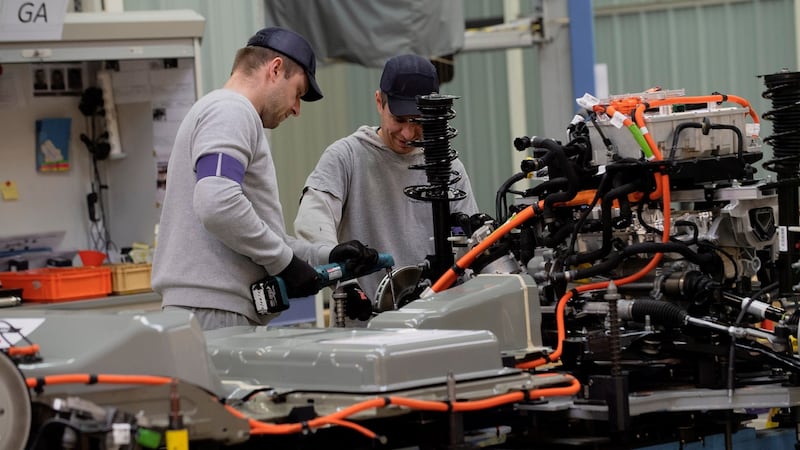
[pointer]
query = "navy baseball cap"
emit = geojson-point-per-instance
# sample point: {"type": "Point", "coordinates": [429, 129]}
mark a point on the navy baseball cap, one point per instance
{"type": "Point", "coordinates": [404, 78]}
{"type": "Point", "coordinates": [295, 47]}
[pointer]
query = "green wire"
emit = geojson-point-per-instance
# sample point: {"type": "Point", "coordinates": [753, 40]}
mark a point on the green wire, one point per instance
{"type": "Point", "coordinates": [637, 134]}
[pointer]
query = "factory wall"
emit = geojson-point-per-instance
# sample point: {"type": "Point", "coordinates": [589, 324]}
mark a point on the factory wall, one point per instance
{"type": "Point", "coordinates": [702, 47]}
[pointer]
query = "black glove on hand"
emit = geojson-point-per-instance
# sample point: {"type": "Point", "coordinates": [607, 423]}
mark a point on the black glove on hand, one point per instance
{"type": "Point", "coordinates": [357, 304]}
{"type": "Point", "coordinates": [356, 257]}
{"type": "Point", "coordinates": [300, 278]}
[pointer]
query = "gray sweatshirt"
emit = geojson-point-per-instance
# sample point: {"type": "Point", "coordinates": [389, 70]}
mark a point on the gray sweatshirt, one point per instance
{"type": "Point", "coordinates": [356, 192]}
{"type": "Point", "coordinates": [216, 236]}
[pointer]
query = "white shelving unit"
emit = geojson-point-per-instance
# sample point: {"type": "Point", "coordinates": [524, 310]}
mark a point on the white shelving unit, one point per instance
{"type": "Point", "coordinates": [98, 36]}
{"type": "Point", "coordinates": [49, 202]}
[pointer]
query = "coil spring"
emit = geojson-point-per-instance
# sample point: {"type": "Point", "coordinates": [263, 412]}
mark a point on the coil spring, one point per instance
{"type": "Point", "coordinates": [435, 111]}
{"type": "Point", "coordinates": [614, 343]}
{"type": "Point", "coordinates": [783, 89]}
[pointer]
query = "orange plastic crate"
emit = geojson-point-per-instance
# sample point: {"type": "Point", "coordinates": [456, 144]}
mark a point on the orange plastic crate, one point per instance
{"type": "Point", "coordinates": [55, 284]}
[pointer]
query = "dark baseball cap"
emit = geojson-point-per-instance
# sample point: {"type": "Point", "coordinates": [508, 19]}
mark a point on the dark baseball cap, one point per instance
{"type": "Point", "coordinates": [404, 78]}
{"type": "Point", "coordinates": [295, 47]}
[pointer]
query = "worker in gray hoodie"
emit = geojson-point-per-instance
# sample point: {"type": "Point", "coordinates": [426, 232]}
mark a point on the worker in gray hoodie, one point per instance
{"type": "Point", "coordinates": [356, 189]}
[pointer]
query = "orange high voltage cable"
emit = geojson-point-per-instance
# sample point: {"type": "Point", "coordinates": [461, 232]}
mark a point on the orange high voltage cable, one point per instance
{"type": "Point", "coordinates": [414, 404]}
{"type": "Point", "coordinates": [639, 116]}
{"type": "Point", "coordinates": [639, 137]}
{"type": "Point", "coordinates": [449, 277]}
{"type": "Point", "coordinates": [714, 98]}
{"type": "Point", "coordinates": [562, 303]}
{"type": "Point", "coordinates": [625, 120]}
{"type": "Point", "coordinates": [625, 105]}
{"type": "Point", "coordinates": [338, 418]}
{"type": "Point", "coordinates": [85, 378]}
{"type": "Point", "coordinates": [629, 104]}
{"type": "Point", "coordinates": [23, 350]}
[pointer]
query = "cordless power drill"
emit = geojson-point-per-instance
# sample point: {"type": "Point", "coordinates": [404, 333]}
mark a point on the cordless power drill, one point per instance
{"type": "Point", "coordinates": [269, 294]}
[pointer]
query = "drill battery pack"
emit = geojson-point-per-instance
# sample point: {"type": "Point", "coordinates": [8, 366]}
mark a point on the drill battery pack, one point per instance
{"type": "Point", "coordinates": [269, 295]}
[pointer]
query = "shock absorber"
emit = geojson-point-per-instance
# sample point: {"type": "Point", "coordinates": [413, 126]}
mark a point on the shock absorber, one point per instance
{"type": "Point", "coordinates": [783, 89]}
{"type": "Point", "coordinates": [614, 343]}
{"type": "Point", "coordinates": [435, 112]}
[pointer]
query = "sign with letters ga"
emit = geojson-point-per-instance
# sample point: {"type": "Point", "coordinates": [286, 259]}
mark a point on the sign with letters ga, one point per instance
{"type": "Point", "coordinates": [32, 20]}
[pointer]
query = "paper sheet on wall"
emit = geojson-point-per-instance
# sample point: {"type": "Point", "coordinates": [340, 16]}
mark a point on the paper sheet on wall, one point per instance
{"type": "Point", "coordinates": [167, 117]}
{"type": "Point", "coordinates": [172, 92]}
{"type": "Point", "coordinates": [131, 83]}
{"type": "Point", "coordinates": [11, 79]}
{"type": "Point", "coordinates": [177, 83]}
{"type": "Point", "coordinates": [168, 85]}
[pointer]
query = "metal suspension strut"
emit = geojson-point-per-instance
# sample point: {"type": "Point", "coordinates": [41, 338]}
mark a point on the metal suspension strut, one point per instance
{"type": "Point", "coordinates": [435, 111]}
{"type": "Point", "coordinates": [783, 89]}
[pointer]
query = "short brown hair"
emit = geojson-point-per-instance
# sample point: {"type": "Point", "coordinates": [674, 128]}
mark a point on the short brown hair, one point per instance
{"type": "Point", "coordinates": [249, 59]}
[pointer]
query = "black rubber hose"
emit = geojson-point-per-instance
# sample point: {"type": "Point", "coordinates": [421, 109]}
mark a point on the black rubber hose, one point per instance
{"type": "Point", "coordinates": [556, 238]}
{"type": "Point", "coordinates": [676, 134]}
{"type": "Point", "coordinates": [500, 198]}
{"type": "Point", "coordinates": [739, 138]}
{"type": "Point", "coordinates": [713, 126]}
{"type": "Point", "coordinates": [664, 313]}
{"type": "Point", "coordinates": [703, 260]}
{"type": "Point", "coordinates": [622, 164]}
{"type": "Point", "coordinates": [549, 185]}
{"type": "Point", "coordinates": [605, 208]}
{"type": "Point", "coordinates": [556, 155]}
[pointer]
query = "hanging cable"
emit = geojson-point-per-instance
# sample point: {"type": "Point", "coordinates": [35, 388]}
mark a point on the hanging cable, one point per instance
{"type": "Point", "coordinates": [96, 143]}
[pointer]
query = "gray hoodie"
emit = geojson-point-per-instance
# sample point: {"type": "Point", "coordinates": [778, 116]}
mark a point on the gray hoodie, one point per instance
{"type": "Point", "coordinates": [357, 193]}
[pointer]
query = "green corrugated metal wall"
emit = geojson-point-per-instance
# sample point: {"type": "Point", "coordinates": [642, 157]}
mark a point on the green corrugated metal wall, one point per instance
{"type": "Point", "coordinates": [701, 46]}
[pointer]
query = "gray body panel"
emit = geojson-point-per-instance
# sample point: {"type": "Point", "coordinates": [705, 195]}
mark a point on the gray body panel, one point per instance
{"type": "Point", "coordinates": [166, 343]}
{"type": "Point", "coordinates": [351, 360]}
{"type": "Point", "coordinates": [507, 305]}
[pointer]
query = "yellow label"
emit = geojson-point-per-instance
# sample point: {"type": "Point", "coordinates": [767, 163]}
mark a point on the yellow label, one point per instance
{"type": "Point", "coordinates": [177, 439]}
{"type": "Point", "coordinates": [9, 189]}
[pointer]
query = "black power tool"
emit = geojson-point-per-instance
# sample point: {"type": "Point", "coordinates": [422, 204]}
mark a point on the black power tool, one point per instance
{"type": "Point", "coordinates": [269, 294]}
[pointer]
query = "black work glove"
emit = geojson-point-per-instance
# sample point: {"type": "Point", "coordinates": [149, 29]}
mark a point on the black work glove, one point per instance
{"type": "Point", "coordinates": [300, 278]}
{"type": "Point", "coordinates": [356, 257]}
{"type": "Point", "coordinates": [357, 304]}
